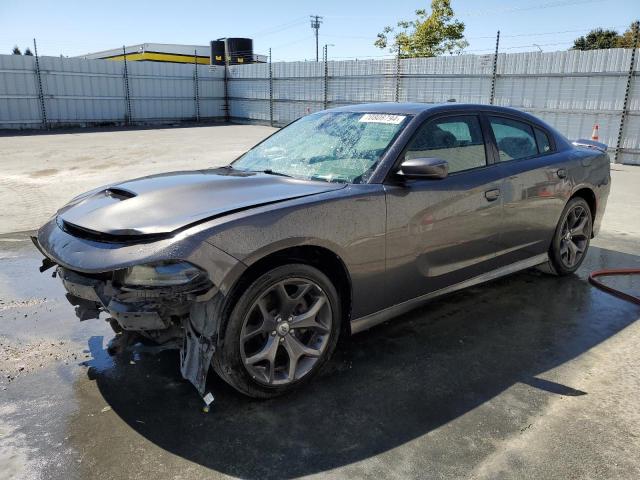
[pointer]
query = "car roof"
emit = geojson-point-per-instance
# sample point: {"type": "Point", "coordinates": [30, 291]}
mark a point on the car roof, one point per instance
{"type": "Point", "coordinates": [416, 108]}
{"type": "Point", "coordinates": [420, 110]}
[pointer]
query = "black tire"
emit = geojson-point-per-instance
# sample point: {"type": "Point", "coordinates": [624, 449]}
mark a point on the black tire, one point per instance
{"type": "Point", "coordinates": [560, 253]}
{"type": "Point", "coordinates": [231, 361]}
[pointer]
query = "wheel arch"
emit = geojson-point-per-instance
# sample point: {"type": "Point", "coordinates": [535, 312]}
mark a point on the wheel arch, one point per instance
{"type": "Point", "coordinates": [589, 196]}
{"type": "Point", "coordinates": [318, 256]}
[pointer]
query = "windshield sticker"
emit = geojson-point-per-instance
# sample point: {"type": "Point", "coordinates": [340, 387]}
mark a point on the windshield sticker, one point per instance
{"type": "Point", "coordinates": [382, 118]}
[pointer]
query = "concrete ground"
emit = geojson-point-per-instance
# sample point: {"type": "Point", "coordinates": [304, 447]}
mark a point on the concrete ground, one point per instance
{"type": "Point", "coordinates": [41, 171]}
{"type": "Point", "coordinates": [529, 376]}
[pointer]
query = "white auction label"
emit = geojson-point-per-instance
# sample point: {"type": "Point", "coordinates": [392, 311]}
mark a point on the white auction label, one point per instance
{"type": "Point", "coordinates": [382, 118]}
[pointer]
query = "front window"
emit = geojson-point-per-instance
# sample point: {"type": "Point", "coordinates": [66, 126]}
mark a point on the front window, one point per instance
{"type": "Point", "coordinates": [340, 147]}
{"type": "Point", "coordinates": [458, 140]}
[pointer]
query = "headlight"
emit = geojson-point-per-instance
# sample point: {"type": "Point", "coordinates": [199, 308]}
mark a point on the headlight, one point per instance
{"type": "Point", "coordinates": [162, 274]}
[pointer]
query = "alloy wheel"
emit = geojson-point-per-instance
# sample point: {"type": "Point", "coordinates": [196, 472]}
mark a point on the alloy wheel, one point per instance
{"type": "Point", "coordinates": [286, 331]}
{"type": "Point", "coordinates": [574, 236]}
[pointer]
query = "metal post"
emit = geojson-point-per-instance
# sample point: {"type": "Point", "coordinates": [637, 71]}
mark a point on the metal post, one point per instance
{"type": "Point", "coordinates": [227, 115]}
{"type": "Point", "coordinates": [325, 54]}
{"type": "Point", "coordinates": [494, 74]}
{"type": "Point", "coordinates": [196, 90]}
{"type": "Point", "coordinates": [127, 95]}
{"type": "Point", "coordinates": [270, 90]}
{"type": "Point", "coordinates": [397, 93]}
{"type": "Point", "coordinates": [43, 109]}
{"type": "Point", "coordinates": [625, 104]}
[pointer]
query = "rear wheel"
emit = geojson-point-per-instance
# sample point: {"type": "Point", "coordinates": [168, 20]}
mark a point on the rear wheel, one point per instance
{"type": "Point", "coordinates": [572, 237]}
{"type": "Point", "coordinates": [280, 332]}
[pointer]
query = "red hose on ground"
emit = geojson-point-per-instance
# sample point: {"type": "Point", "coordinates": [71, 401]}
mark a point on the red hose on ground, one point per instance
{"type": "Point", "coordinates": [614, 271]}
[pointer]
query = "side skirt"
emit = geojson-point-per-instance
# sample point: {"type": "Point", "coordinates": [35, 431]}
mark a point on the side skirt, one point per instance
{"type": "Point", "coordinates": [364, 323]}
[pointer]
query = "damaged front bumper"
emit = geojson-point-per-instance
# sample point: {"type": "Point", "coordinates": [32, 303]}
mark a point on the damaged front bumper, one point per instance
{"type": "Point", "coordinates": [183, 316]}
{"type": "Point", "coordinates": [160, 314]}
{"type": "Point", "coordinates": [135, 309]}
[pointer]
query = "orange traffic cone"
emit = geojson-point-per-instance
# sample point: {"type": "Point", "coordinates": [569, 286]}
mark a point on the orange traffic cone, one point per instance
{"type": "Point", "coordinates": [594, 134]}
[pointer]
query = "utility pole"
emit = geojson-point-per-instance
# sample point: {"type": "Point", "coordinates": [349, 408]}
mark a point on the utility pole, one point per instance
{"type": "Point", "coordinates": [316, 20]}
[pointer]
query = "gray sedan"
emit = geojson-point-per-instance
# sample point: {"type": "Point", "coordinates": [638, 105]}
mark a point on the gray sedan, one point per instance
{"type": "Point", "coordinates": [342, 220]}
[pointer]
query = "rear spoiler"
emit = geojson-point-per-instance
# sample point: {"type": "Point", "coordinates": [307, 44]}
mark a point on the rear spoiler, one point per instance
{"type": "Point", "coordinates": [590, 144]}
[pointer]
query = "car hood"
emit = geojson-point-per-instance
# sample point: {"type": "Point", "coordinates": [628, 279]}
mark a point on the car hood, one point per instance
{"type": "Point", "coordinates": [162, 204]}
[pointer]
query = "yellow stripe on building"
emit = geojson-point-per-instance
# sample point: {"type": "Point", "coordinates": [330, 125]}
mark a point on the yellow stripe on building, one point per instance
{"type": "Point", "coordinates": [160, 57]}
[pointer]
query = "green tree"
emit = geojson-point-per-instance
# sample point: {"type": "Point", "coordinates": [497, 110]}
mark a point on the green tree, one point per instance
{"type": "Point", "coordinates": [28, 52]}
{"type": "Point", "coordinates": [626, 39]}
{"type": "Point", "coordinates": [428, 35]}
{"type": "Point", "coordinates": [16, 51]}
{"type": "Point", "coordinates": [597, 39]}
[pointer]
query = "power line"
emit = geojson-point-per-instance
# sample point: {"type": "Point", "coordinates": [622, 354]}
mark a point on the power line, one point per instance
{"type": "Point", "coordinates": [294, 42]}
{"type": "Point", "coordinates": [554, 4]}
{"type": "Point", "coordinates": [560, 3]}
{"type": "Point", "coordinates": [279, 28]}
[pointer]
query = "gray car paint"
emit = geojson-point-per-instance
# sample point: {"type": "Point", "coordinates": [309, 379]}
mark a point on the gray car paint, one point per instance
{"type": "Point", "coordinates": [170, 201]}
{"type": "Point", "coordinates": [434, 236]}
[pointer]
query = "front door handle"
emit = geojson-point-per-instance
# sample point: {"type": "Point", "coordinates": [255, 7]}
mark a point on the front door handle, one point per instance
{"type": "Point", "coordinates": [492, 195]}
{"type": "Point", "coordinates": [562, 173]}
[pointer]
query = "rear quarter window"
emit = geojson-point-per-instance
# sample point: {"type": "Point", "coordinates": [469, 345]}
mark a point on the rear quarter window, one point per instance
{"type": "Point", "coordinates": [542, 139]}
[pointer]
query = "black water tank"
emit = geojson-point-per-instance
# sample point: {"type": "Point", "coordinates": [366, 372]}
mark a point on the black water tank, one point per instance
{"type": "Point", "coordinates": [240, 50]}
{"type": "Point", "coordinates": [217, 52]}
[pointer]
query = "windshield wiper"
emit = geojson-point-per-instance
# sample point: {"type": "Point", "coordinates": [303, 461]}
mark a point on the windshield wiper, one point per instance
{"type": "Point", "coordinates": [268, 171]}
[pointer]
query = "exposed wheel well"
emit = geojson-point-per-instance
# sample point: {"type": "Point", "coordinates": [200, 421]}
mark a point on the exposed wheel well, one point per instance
{"type": "Point", "coordinates": [321, 258]}
{"type": "Point", "coordinates": [590, 197]}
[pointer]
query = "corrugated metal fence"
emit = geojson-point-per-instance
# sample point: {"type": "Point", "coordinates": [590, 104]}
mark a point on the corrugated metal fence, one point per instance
{"type": "Point", "coordinates": [572, 90]}
{"type": "Point", "coordinates": [89, 92]}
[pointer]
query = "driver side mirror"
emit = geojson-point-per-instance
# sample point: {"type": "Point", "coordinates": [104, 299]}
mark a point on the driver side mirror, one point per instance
{"type": "Point", "coordinates": [424, 168]}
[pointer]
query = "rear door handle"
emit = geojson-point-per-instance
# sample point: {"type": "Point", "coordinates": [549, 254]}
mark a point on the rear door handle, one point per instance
{"type": "Point", "coordinates": [492, 195]}
{"type": "Point", "coordinates": [562, 173]}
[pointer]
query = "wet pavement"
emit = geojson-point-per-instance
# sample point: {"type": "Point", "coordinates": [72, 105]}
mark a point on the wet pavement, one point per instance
{"type": "Point", "coordinates": [528, 376]}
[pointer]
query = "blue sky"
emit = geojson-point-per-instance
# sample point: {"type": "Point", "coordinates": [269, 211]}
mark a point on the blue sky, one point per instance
{"type": "Point", "coordinates": [73, 27]}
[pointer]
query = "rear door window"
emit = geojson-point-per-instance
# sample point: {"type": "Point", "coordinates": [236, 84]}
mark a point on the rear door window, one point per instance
{"type": "Point", "coordinates": [514, 139]}
{"type": "Point", "coordinates": [458, 140]}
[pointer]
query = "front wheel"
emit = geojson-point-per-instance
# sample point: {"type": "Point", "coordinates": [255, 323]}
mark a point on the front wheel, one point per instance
{"type": "Point", "coordinates": [280, 332]}
{"type": "Point", "coordinates": [572, 237]}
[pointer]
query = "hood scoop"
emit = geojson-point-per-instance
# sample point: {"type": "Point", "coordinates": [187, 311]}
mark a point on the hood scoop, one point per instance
{"type": "Point", "coordinates": [119, 193]}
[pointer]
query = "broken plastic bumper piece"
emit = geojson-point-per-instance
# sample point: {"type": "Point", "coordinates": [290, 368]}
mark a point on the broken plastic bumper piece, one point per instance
{"type": "Point", "coordinates": [133, 307]}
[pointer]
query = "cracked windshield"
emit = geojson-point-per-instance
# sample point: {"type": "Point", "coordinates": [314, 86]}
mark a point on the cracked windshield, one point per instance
{"type": "Point", "coordinates": [340, 147]}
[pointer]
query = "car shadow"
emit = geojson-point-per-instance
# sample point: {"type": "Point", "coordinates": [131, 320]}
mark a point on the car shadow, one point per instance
{"type": "Point", "coordinates": [384, 387]}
